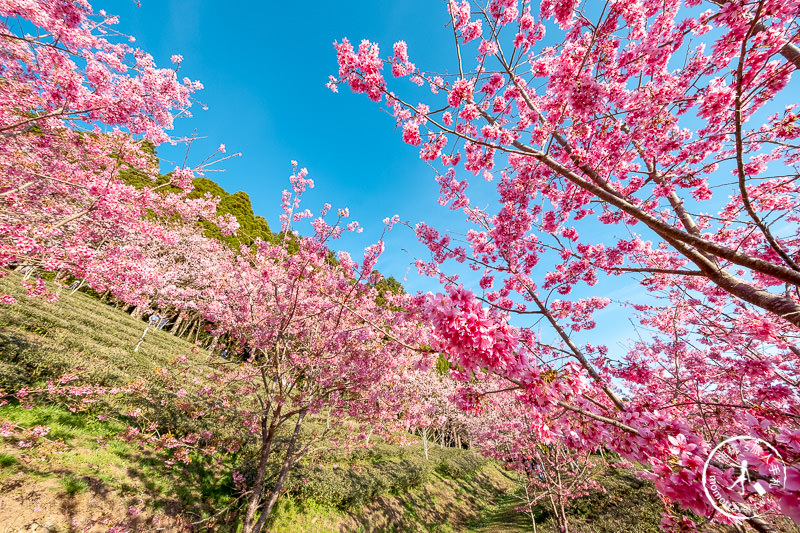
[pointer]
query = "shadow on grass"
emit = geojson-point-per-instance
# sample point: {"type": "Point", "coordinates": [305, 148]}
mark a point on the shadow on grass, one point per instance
{"type": "Point", "coordinates": [12, 344]}
{"type": "Point", "coordinates": [198, 489]}
{"type": "Point", "coordinates": [629, 504]}
{"type": "Point", "coordinates": [19, 359]}
{"type": "Point", "coordinates": [442, 504]}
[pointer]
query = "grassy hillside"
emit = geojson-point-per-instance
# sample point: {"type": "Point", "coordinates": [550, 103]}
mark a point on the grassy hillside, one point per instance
{"type": "Point", "coordinates": [84, 478]}
{"type": "Point", "coordinates": [83, 475]}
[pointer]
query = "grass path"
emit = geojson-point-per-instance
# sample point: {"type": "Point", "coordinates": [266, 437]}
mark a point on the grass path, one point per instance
{"type": "Point", "coordinates": [503, 516]}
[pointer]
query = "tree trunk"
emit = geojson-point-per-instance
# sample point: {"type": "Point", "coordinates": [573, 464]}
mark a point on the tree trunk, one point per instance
{"type": "Point", "coordinates": [59, 286]}
{"type": "Point", "coordinates": [197, 329]}
{"type": "Point", "coordinates": [176, 325]}
{"type": "Point", "coordinates": [267, 435]}
{"type": "Point", "coordinates": [190, 327]}
{"type": "Point", "coordinates": [759, 525]}
{"type": "Point", "coordinates": [141, 340]}
{"type": "Point", "coordinates": [425, 442]}
{"type": "Point", "coordinates": [288, 462]}
{"type": "Point", "coordinates": [185, 327]}
{"type": "Point", "coordinates": [563, 515]}
{"type": "Point", "coordinates": [529, 502]}
{"type": "Point", "coordinates": [213, 345]}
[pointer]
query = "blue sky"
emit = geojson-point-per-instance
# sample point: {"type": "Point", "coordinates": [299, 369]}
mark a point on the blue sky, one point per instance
{"type": "Point", "coordinates": [265, 91]}
{"type": "Point", "coordinates": [266, 96]}
{"type": "Point", "coordinates": [264, 66]}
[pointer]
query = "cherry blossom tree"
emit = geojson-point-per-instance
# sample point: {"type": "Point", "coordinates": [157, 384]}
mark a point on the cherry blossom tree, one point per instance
{"type": "Point", "coordinates": [438, 417]}
{"type": "Point", "coordinates": [643, 139]}
{"type": "Point", "coordinates": [79, 110]}
{"type": "Point", "coordinates": [77, 104]}
{"type": "Point", "coordinates": [550, 473]}
{"type": "Point", "coordinates": [318, 337]}
{"type": "Point", "coordinates": [314, 340]}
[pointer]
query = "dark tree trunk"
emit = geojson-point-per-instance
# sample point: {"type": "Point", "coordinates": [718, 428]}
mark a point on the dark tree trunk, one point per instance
{"type": "Point", "coordinates": [288, 462]}
{"type": "Point", "coordinates": [267, 435]}
{"type": "Point", "coordinates": [185, 327]}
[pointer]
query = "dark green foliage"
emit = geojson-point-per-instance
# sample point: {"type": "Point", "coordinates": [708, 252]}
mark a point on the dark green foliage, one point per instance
{"type": "Point", "coordinates": [331, 259]}
{"type": "Point", "coordinates": [148, 147]}
{"type": "Point", "coordinates": [350, 485]}
{"type": "Point", "coordinates": [251, 226]}
{"type": "Point", "coordinates": [205, 185]}
{"type": "Point", "coordinates": [140, 179]}
{"type": "Point", "coordinates": [461, 465]}
{"type": "Point", "coordinates": [387, 284]}
{"type": "Point", "coordinates": [442, 364]}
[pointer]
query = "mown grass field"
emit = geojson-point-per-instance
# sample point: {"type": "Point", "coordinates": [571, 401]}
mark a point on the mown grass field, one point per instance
{"type": "Point", "coordinates": [83, 478]}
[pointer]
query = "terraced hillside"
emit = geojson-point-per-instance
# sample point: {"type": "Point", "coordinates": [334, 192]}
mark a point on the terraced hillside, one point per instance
{"type": "Point", "coordinates": [85, 478]}
{"type": "Point", "coordinates": [83, 475]}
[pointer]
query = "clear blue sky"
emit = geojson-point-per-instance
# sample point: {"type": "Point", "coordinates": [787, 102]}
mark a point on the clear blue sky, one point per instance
{"type": "Point", "coordinates": [264, 66]}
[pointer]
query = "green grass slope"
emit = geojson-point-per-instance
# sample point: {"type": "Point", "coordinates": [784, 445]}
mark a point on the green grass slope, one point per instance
{"type": "Point", "coordinates": [39, 339]}
{"type": "Point", "coordinates": [85, 479]}
{"type": "Point", "coordinates": [84, 475]}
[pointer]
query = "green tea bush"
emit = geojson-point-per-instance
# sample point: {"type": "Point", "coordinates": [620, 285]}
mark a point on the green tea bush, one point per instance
{"type": "Point", "coordinates": [334, 486]}
{"type": "Point", "coordinates": [368, 473]}
{"type": "Point", "coordinates": [461, 465]}
{"type": "Point", "coordinates": [358, 483]}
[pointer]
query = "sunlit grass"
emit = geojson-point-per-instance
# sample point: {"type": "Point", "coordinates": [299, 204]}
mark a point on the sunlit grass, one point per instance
{"type": "Point", "coordinates": [79, 334]}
